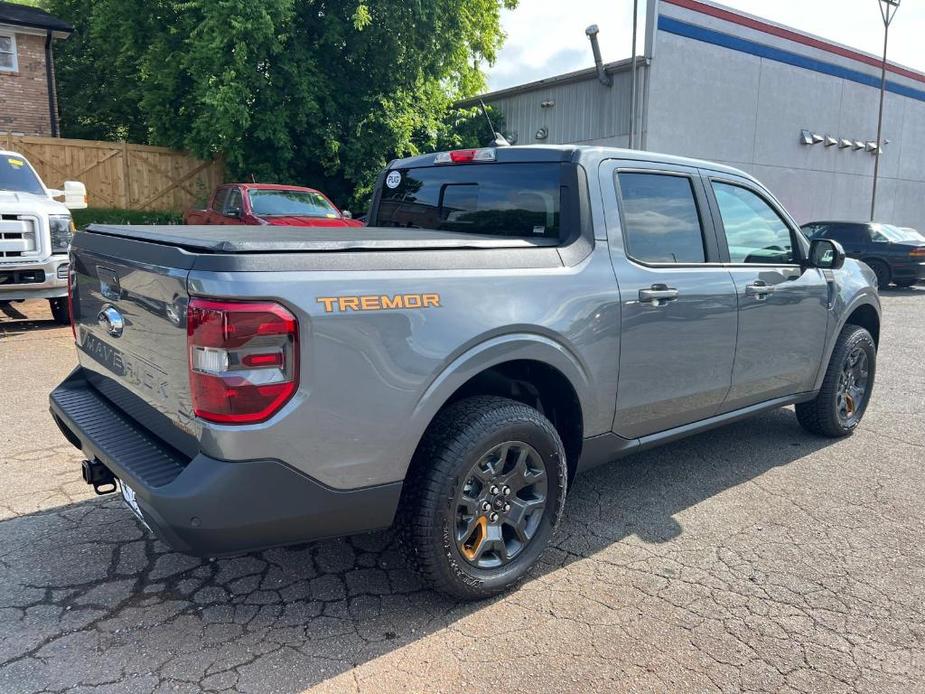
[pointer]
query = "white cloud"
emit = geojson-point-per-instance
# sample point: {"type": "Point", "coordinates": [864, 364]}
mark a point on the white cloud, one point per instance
{"type": "Point", "coordinates": [546, 37]}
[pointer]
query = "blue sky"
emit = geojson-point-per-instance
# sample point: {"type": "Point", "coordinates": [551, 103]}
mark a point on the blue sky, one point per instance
{"type": "Point", "coordinates": [546, 37]}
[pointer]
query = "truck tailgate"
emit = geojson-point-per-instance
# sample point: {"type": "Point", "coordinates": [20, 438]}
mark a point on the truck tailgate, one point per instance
{"type": "Point", "coordinates": [130, 324]}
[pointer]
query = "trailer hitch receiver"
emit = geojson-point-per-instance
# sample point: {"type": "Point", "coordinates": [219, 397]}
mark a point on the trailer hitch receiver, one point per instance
{"type": "Point", "coordinates": [98, 475]}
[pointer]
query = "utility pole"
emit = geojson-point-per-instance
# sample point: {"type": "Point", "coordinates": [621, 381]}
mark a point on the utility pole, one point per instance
{"type": "Point", "coordinates": [888, 10]}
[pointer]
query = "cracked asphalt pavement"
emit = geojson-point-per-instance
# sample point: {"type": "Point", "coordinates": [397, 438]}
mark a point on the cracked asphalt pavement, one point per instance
{"type": "Point", "coordinates": [755, 557]}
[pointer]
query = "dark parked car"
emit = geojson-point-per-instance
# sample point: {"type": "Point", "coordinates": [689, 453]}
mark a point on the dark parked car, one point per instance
{"type": "Point", "coordinates": [895, 254]}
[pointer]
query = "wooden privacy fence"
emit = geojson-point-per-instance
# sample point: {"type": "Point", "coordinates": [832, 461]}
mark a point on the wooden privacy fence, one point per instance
{"type": "Point", "coordinates": [120, 175]}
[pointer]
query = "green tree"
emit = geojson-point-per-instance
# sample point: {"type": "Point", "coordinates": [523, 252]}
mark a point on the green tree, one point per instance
{"type": "Point", "coordinates": [322, 92]}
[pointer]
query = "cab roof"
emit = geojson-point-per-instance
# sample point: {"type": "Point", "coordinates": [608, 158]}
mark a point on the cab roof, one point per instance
{"type": "Point", "coordinates": [270, 186]}
{"type": "Point", "coordinates": [582, 154]}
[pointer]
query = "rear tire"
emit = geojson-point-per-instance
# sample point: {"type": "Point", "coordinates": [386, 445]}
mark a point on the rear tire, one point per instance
{"type": "Point", "coordinates": [882, 271]}
{"type": "Point", "coordinates": [905, 284]}
{"type": "Point", "coordinates": [457, 545]}
{"type": "Point", "coordinates": [838, 408]}
{"type": "Point", "coordinates": [59, 310]}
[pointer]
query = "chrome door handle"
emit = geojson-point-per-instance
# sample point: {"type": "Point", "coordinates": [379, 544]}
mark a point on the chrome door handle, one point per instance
{"type": "Point", "coordinates": [658, 294]}
{"type": "Point", "coordinates": [759, 289]}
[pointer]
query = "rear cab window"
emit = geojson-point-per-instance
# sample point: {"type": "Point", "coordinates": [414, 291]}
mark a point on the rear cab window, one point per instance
{"type": "Point", "coordinates": [521, 200]}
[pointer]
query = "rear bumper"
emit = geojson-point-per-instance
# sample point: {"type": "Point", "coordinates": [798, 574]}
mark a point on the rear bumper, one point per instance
{"type": "Point", "coordinates": [211, 507]}
{"type": "Point", "coordinates": [34, 280]}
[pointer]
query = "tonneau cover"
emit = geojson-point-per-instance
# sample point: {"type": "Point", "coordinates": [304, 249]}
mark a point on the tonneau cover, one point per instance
{"type": "Point", "coordinates": [281, 239]}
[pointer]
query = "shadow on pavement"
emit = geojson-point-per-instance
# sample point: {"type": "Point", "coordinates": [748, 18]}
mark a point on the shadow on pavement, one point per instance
{"type": "Point", "coordinates": [904, 291]}
{"type": "Point", "coordinates": [25, 317]}
{"type": "Point", "coordinates": [83, 580]}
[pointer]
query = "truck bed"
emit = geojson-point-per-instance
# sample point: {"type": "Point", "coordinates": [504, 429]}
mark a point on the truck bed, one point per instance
{"type": "Point", "coordinates": [258, 239]}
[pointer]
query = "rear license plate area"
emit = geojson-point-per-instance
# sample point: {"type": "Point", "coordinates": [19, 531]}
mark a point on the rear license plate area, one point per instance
{"type": "Point", "coordinates": [128, 496]}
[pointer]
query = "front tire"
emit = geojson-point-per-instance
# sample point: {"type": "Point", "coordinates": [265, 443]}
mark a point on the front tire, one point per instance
{"type": "Point", "coordinates": [849, 380]}
{"type": "Point", "coordinates": [59, 311]}
{"type": "Point", "coordinates": [484, 495]}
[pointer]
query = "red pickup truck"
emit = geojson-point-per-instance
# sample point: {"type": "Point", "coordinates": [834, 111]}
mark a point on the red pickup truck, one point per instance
{"type": "Point", "coordinates": [265, 203]}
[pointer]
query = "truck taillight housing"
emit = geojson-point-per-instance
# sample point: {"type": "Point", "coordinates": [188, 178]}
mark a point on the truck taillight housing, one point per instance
{"type": "Point", "coordinates": [243, 359]}
{"type": "Point", "coordinates": [918, 252]}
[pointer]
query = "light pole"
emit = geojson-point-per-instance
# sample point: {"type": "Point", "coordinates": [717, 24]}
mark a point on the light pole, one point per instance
{"type": "Point", "coordinates": [634, 88]}
{"type": "Point", "coordinates": [888, 10]}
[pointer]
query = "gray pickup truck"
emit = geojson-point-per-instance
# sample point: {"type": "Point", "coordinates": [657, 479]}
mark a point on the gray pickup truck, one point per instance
{"type": "Point", "coordinates": [511, 317]}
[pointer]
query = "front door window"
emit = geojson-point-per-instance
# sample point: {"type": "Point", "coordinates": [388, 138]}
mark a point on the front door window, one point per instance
{"type": "Point", "coordinates": [754, 231]}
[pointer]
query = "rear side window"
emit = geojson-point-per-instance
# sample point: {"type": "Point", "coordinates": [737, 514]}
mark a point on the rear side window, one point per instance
{"type": "Point", "coordinates": [662, 224]}
{"type": "Point", "coordinates": [847, 233]}
{"type": "Point", "coordinates": [520, 200]}
{"type": "Point", "coordinates": [233, 203]}
{"type": "Point", "coordinates": [754, 231]}
{"type": "Point", "coordinates": [221, 196]}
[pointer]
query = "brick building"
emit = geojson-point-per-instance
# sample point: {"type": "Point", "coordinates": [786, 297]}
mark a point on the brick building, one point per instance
{"type": "Point", "coordinates": [28, 100]}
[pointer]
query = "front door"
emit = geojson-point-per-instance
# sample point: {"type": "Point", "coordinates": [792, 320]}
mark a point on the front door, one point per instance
{"type": "Point", "coordinates": [783, 308]}
{"type": "Point", "coordinates": [679, 313]}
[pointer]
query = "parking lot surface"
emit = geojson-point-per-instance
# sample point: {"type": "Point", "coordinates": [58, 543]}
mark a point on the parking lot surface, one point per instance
{"type": "Point", "coordinates": [755, 557]}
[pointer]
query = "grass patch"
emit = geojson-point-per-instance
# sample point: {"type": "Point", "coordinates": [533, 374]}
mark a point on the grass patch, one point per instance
{"type": "Point", "coordinates": [103, 215]}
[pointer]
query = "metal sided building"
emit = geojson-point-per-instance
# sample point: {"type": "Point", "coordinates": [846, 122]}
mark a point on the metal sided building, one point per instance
{"type": "Point", "coordinates": [796, 111]}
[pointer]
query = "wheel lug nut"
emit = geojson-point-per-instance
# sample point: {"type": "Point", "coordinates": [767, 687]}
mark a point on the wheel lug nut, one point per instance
{"type": "Point", "coordinates": [486, 506]}
{"type": "Point", "coordinates": [493, 489]}
{"type": "Point", "coordinates": [506, 490]}
{"type": "Point", "coordinates": [507, 507]}
{"type": "Point", "coordinates": [493, 517]}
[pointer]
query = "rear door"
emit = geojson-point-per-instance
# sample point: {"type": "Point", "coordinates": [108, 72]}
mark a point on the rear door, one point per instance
{"type": "Point", "coordinates": [679, 307]}
{"type": "Point", "coordinates": [783, 308]}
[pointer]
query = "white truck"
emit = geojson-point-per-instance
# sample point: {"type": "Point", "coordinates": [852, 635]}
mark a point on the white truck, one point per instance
{"type": "Point", "coordinates": [35, 232]}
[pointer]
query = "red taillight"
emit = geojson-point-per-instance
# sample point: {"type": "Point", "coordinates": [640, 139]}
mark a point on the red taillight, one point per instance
{"type": "Point", "coordinates": [918, 252]}
{"type": "Point", "coordinates": [262, 360]}
{"type": "Point", "coordinates": [71, 288]}
{"type": "Point", "coordinates": [243, 359]}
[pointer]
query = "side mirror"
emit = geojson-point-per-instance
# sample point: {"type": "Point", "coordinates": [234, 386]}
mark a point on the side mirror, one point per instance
{"type": "Point", "coordinates": [233, 212]}
{"type": "Point", "coordinates": [347, 214]}
{"type": "Point", "coordinates": [826, 254]}
{"type": "Point", "coordinates": [74, 194]}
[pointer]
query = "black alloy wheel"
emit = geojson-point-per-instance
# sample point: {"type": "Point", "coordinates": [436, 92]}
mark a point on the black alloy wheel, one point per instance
{"type": "Point", "coordinates": [500, 504]}
{"type": "Point", "coordinates": [851, 393]}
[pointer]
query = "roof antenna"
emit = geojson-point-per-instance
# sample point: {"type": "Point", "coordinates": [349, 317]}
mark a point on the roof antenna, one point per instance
{"type": "Point", "coordinates": [498, 140]}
